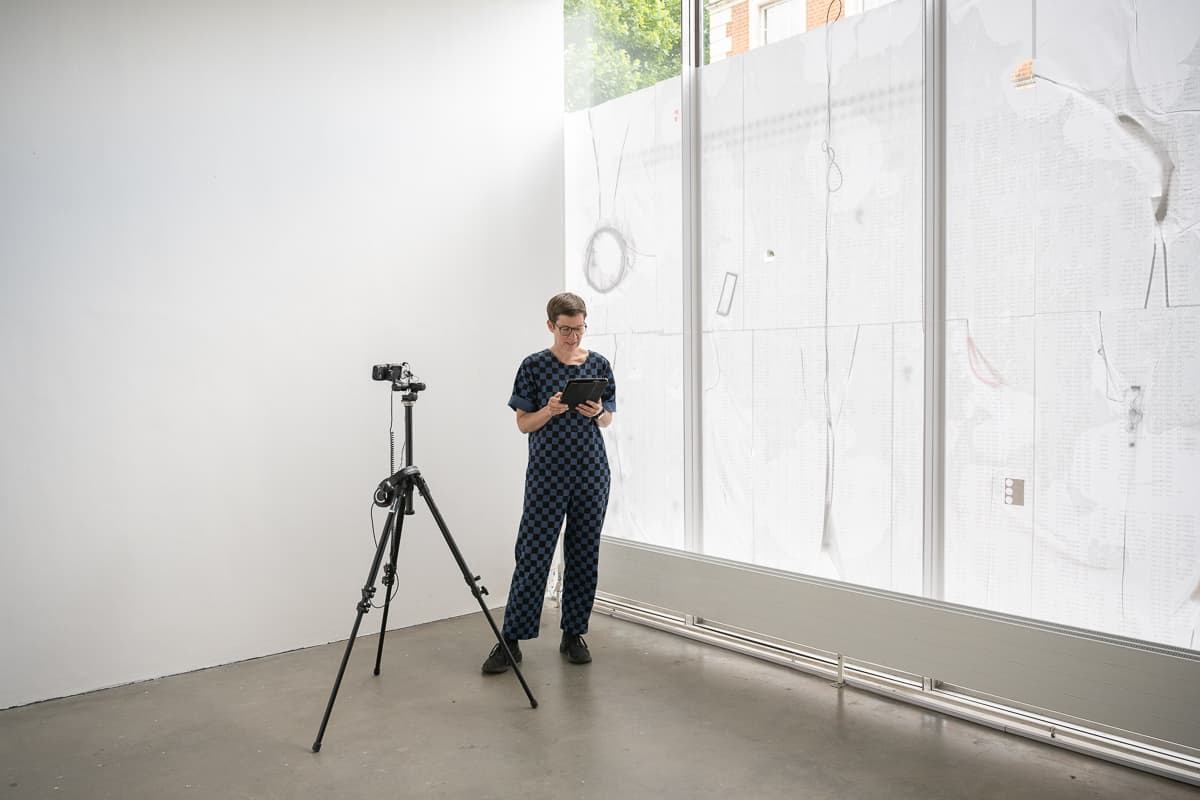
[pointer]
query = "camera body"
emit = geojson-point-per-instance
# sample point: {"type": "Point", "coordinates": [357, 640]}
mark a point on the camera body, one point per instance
{"type": "Point", "coordinates": [401, 377]}
{"type": "Point", "coordinates": [396, 373]}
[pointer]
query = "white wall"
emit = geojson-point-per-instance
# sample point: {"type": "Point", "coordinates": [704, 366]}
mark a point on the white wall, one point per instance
{"type": "Point", "coordinates": [214, 218]}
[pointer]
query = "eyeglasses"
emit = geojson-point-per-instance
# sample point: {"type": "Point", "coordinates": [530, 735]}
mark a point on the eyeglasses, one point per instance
{"type": "Point", "coordinates": [567, 330]}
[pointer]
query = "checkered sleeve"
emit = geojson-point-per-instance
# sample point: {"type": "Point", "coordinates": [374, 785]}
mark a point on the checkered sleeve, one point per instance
{"type": "Point", "coordinates": [609, 398]}
{"type": "Point", "coordinates": [524, 393]}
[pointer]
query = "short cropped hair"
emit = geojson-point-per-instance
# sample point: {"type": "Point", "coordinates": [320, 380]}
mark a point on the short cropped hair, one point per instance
{"type": "Point", "coordinates": [565, 304]}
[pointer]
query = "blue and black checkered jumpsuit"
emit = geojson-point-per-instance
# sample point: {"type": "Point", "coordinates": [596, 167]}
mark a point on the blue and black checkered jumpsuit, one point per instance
{"type": "Point", "coordinates": [567, 477]}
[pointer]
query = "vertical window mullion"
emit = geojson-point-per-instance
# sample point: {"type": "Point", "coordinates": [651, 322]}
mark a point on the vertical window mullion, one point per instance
{"type": "Point", "coordinates": [934, 299]}
{"type": "Point", "coordinates": [692, 49]}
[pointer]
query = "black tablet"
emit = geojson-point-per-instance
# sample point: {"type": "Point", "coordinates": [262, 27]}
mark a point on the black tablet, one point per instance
{"type": "Point", "coordinates": [580, 390]}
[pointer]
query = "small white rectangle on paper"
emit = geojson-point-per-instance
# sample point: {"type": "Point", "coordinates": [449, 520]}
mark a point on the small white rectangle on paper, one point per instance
{"type": "Point", "coordinates": [727, 289]}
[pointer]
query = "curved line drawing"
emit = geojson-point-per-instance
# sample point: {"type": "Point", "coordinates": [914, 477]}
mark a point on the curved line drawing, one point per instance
{"type": "Point", "coordinates": [591, 270]}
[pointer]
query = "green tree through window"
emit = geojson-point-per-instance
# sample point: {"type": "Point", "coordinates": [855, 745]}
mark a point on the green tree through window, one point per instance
{"type": "Point", "coordinates": [614, 47]}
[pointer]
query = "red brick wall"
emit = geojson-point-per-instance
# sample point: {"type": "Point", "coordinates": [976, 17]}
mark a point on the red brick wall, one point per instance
{"type": "Point", "coordinates": [739, 28]}
{"type": "Point", "coordinates": [818, 10]}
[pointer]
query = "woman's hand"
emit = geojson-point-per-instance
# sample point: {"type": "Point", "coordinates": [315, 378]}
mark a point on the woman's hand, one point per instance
{"type": "Point", "coordinates": [589, 409]}
{"type": "Point", "coordinates": [530, 421]}
{"type": "Point", "coordinates": [555, 405]}
{"type": "Point", "coordinates": [595, 412]}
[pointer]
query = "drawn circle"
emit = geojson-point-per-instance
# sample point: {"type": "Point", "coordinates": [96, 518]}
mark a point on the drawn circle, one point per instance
{"type": "Point", "coordinates": [606, 259]}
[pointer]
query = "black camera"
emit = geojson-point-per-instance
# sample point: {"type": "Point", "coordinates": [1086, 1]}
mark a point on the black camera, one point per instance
{"type": "Point", "coordinates": [395, 373]}
{"type": "Point", "coordinates": [401, 377]}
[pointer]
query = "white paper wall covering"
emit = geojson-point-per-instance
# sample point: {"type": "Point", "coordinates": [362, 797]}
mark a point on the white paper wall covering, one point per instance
{"type": "Point", "coordinates": [722, 192]}
{"type": "Point", "coordinates": [728, 444]}
{"type": "Point", "coordinates": [789, 478]}
{"type": "Point", "coordinates": [1116, 529]}
{"type": "Point", "coordinates": [768, 418]}
{"type": "Point", "coordinates": [989, 437]}
{"type": "Point", "coordinates": [623, 256]}
{"type": "Point", "coordinates": [783, 231]}
{"type": "Point", "coordinates": [645, 449]}
{"type": "Point", "coordinates": [1073, 350]}
{"type": "Point", "coordinates": [866, 377]}
{"type": "Point", "coordinates": [991, 163]}
{"type": "Point", "coordinates": [908, 442]}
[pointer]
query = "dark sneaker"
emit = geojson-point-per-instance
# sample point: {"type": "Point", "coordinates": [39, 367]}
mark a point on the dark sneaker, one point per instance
{"type": "Point", "coordinates": [497, 660]}
{"type": "Point", "coordinates": [575, 648]}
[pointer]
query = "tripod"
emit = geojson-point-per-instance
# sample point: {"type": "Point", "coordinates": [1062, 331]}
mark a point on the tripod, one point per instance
{"type": "Point", "coordinates": [396, 493]}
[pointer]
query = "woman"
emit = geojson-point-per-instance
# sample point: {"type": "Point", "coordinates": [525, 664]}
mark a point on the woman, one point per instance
{"type": "Point", "coordinates": [567, 477]}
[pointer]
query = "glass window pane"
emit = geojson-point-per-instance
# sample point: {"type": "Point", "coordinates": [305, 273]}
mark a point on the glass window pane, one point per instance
{"type": "Point", "coordinates": [623, 240]}
{"type": "Point", "coordinates": [1073, 333]}
{"type": "Point", "coordinates": [783, 19]}
{"type": "Point", "coordinates": [813, 355]}
{"type": "Point", "coordinates": [733, 27]}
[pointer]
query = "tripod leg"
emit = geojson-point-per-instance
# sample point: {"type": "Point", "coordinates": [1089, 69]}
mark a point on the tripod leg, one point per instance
{"type": "Point", "coordinates": [472, 581]}
{"type": "Point", "coordinates": [389, 569]}
{"type": "Point", "coordinates": [364, 605]}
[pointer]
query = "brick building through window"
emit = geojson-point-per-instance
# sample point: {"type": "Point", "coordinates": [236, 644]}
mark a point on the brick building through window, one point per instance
{"type": "Point", "coordinates": [736, 26]}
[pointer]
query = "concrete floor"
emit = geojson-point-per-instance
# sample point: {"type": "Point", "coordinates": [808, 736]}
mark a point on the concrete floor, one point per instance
{"type": "Point", "coordinates": [655, 716]}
